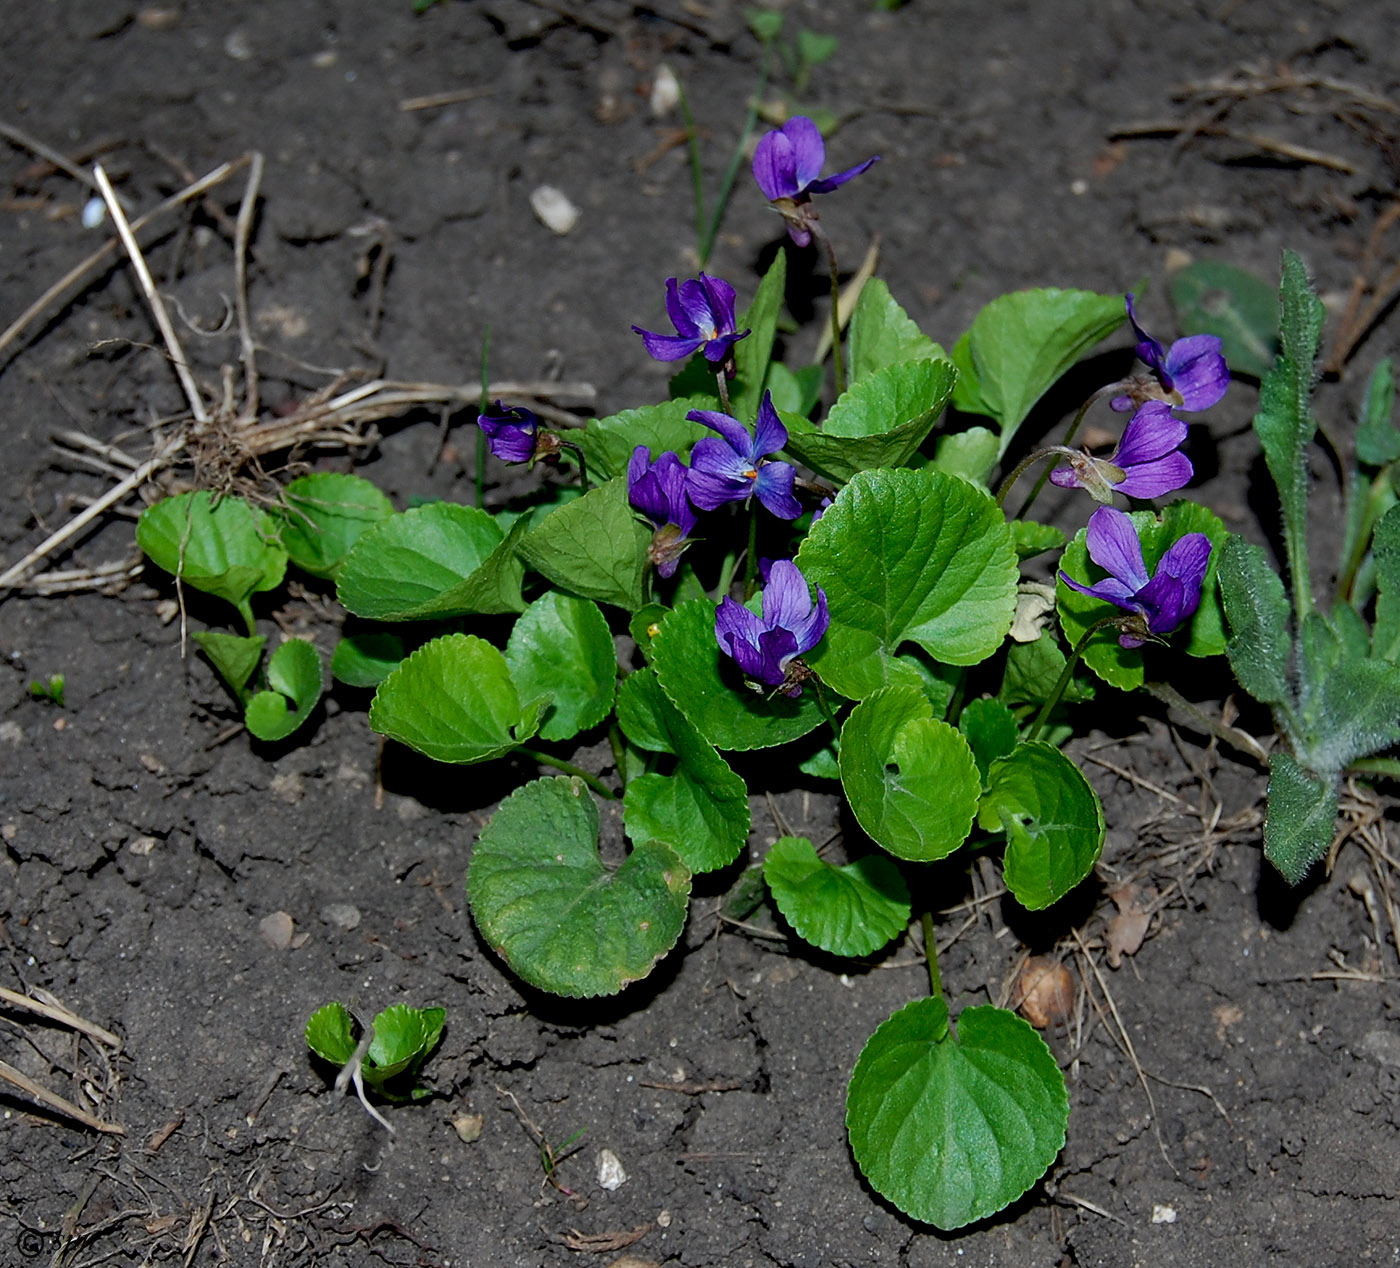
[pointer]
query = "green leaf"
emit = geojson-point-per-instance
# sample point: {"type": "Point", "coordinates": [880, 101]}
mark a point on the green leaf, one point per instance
{"type": "Point", "coordinates": [562, 647]}
{"type": "Point", "coordinates": [330, 1034]}
{"type": "Point", "coordinates": [1301, 818]}
{"type": "Point", "coordinates": [403, 1036]}
{"type": "Point", "coordinates": [366, 660]}
{"type": "Point", "coordinates": [1385, 638]}
{"type": "Point", "coordinates": [324, 515]}
{"type": "Point", "coordinates": [454, 700]}
{"type": "Point", "coordinates": [1021, 343]}
{"type": "Point", "coordinates": [954, 1129]}
{"type": "Point", "coordinates": [1377, 438]}
{"type": "Point", "coordinates": [878, 422]}
{"type": "Point", "coordinates": [909, 556]}
{"type": "Point", "coordinates": [224, 548]}
{"type": "Point", "coordinates": [911, 780]}
{"type": "Point", "coordinates": [1212, 298]}
{"type": "Point", "coordinates": [233, 656]}
{"type": "Point", "coordinates": [437, 560]}
{"type": "Point", "coordinates": [1259, 645]}
{"type": "Point", "coordinates": [990, 730]}
{"type": "Point", "coordinates": [766, 24]}
{"type": "Point", "coordinates": [850, 910]}
{"type": "Point", "coordinates": [594, 547]}
{"type": "Point", "coordinates": [294, 686]}
{"type": "Point", "coordinates": [1285, 424]}
{"type": "Point", "coordinates": [882, 333]}
{"type": "Point", "coordinates": [814, 48]}
{"type": "Point", "coordinates": [643, 712]}
{"type": "Point", "coordinates": [708, 689]}
{"type": "Point", "coordinates": [1052, 818]}
{"type": "Point", "coordinates": [1350, 708]}
{"type": "Point", "coordinates": [607, 443]}
{"type": "Point", "coordinates": [752, 354]}
{"type": "Point", "coordinates": [545, 903]}
{"type": "Point", "coordinates": [1032, 538]}
{"type": "Point", "coordinates": [971, 454]}
{"type": "Point", "coordinates": [1033, 669]}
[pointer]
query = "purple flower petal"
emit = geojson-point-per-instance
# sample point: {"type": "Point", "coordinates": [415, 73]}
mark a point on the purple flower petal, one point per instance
{"type": "Point", "coordinates": [769, 433]}
{"type": "Point", "coordinates": [1198, 371]}
{"type": "Point", "coordinates": [775, 167]}
{"type": "Point", "coordinates": [1110, 589]}
{"type": "Point", "coordinates": [1114, 546]}
{"type": "Point", "coordinates": [808, 149]}
{"type": "Point", "coordinates": [695, 301]}
{"type": "Point", "coordinates": [1149, 351]}
{"type": "Point", "coordinates": [736, 435]}
{"type": "Point", "coordinates": [773, 485]}
{"type": "Point", "coordinates": [678, 313]}
{"type": "Point", "coordinates": [828, 183]}
{"type": "Point", "coordinates": [721, 296]}
{"type": "Point", "coordinates": [1152, 479]}
{"type": "Point", "coordinates": [1152, 433]}
{"type": "Point", "coordinates": [667, 347]}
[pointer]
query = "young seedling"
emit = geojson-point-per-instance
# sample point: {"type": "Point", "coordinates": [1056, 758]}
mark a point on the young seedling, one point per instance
{"type": "Point", "coordinates": [50, 688]}
{"type": "Point", "coordinates": [551, 1155]}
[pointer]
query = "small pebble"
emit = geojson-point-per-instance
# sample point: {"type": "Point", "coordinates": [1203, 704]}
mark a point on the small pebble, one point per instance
{"type": "Point", "coordinates": [468, 1127]}
{"type": "Point", "coordinates": [553, 209]}
{"type": "Point", "coordinates": [277, 930]}
{"type": "Point", "coordinates": [141, 846]}
{"type": "Point", "coordinates": [11, 733]}
{"type": "Point", "coordinates": [238, 46]}
{"type": "Point", "coordinates": [665, 92]}
{"type": "Point", "coordinates": [611, 1174]}
{"type": "Point", "coordinates": [94, 213]}
{"type": "Point", "coordinates": [1163, 1214]}
{"type": "Point", "coordinates": [343, 915]}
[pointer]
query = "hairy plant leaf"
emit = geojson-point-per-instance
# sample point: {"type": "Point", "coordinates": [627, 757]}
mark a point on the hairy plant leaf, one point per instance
{"type": "Point", "coordinates": [1377, 437]}
{"type": "Point", "coordinates": [545, 903]}
{"type": "Point", "coordinates": [1385, 637]}
{"type": "Point", "coordinates": [234, 656]}
{"type": "Point", "coordinates": [454, 700]}
{"type": "Point", "coordinates": [1052, 818]}
{"type": "Point", "coordinates": [883, 334]}
{"type": "Point", "coordinates": [952, 1129]}
{"type": "Point", "coordinates": [1301, 818]}
{"type": "Point", "coordinates": [850, 910]}
{"type": "Point", "coordinates": [1212, 298]}
{"type": "Point", "coordinates": [1021, 343]}
{"type": "Point", "coordinates": [324, 515]}
{"type": "Point", "coordinates": [367, 659]}
{"type": "Point", "coordinates": [562, 647]}
{"type": "Point", "coordinates": [707, 687]}
{"type": "Point", "coordinates": [1259, 645]}
{"type": "Point", "coordinates": [911, 780]}
{"type": "Point", "coordinates": [222, 547]}
{"type": "Point", "coordinates": [293, 688]}
{"type": "Point", "coordinates": [909, 556]}
{"type": "Point", "coordinates": [593, 547]}
{"type": "Point", "coordinates": [437, 560]}
{"type": "Point", "coordinates": [878, 422]}
{"type": "Point", "coordinates": [607, 443]}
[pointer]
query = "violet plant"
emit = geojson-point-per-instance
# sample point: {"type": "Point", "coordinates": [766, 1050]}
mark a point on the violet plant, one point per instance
{"type": "Point", "coordinates": [895, 650]}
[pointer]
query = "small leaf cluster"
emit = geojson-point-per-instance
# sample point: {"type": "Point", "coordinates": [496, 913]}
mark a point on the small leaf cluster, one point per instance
{"type": "Point", "coordinates": [1330, 674]}
{"type": "Point", "coordinates": [404, 1037]}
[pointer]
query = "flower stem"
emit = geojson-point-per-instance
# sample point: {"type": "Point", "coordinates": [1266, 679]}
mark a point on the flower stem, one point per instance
{"type": "Point", "coordinates": [546, 759]}
{"type": "Point", "coordinates": [723, 383]}
{"type": "Point", "coordinates": [578, 457]}
{"type": "Point", "coordinates": [935, 978]}
{"type": "Point", "coordinates": [751, 558]}
{"type": "Point", "coordinates": [1009, 482]}
{"type": "Point", "coordinates": [825, 706]}
{"type": "Point", "coordinates": [836, 357]}
{"type": "Point", "coordinates": [485, 404]}
{"type": "Point", "coordinates": [619, 751]}
{"type": "Point", "coordinates": [1069, 436]}
{"type": "Point", "coordinates": [1066, 674]}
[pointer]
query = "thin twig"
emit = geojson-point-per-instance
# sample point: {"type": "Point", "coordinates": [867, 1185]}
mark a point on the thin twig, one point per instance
{"type": "Point", "coordinates": [56, 1102]}
{"type": "Point", "coordinates": [55, 1012]}
{"type": "Point", "coordinates": [240, 284]}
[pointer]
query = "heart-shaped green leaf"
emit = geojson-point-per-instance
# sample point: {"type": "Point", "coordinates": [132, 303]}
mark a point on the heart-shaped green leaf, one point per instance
{"type": "Point", "coordinates": [366, 660]}
{"type": "Point", "coordinates": [706, 686]}
{"type": "Point", "coordinates": [435, 561]}
{"type": "Point", "coordinates": [607, 443]}
{"type": "Point", "coordinates": [294, 686]}
{"type": "Point", "coordinates": [543, 900]}
{"type": "Point", "coordinates": [911, 779]}
{"type": "Point", "coordinates": [454, 700]}
{"type": "Point", "coordinates": [234, 656]}
{"type": "Point", "coordinates": [990, 730]}
{"type": "Point", "coordinates": [952, 1129]}
{"type": "Point", "coordinates": [909, 556]}
{"type": "Point", "coordinates": [1212, 298]}
{"type": "Point", "coordinates": [878, 422]}
{"type": "Point", "coordinates": [562, 647]}
{"type": "Point", "coordinates": [593, 547]}
{"type": "Point", "coordinates": [325, 514]}
{"type": "Point", "coordinates": [403, 1036]}
{"type": "Point", "coordinates": [1052, 819]}
{"type": "Point", "coordinates": [330, 1033]}
{"type": "Point", "coordinates": [223, 547]}
{"type": "Point", "coordinates": [851, 910]}
{"type": "Point", "coordinates": [882, 333]}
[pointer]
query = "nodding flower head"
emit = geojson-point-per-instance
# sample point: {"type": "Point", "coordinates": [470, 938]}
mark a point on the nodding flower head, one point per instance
{"type": "Point", "coordinates": [734, 466]}
{"type": "Point", "coordinates": [1158, 604]}
{"type": "Point", "coordinates": [513, 434]}
{"type": "Point", "coordinates": [1147, 463]}
{"type": "Point", "coordinates": [787, 166]}
{"type": "Point", "coordinates": [702, 311]}
{"type": "Point", "coordinates": [658, 490]}
{"type": "Point", "coordinates": [1190, 375]}
{"type": "Point", "coordinates": [767, 648]}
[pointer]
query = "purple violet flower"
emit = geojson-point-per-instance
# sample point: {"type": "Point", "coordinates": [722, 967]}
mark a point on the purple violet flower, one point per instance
{"type": "Point", "coordinates": [511, 433]}
{"type": "Point", "coordinates": [787, 166]}
{"type": "Point", "coordinates": [1190, 375]}
{"type": "Point", "coordinates": [733, 466]}
{"type": "Point", "coordinates": [658, 490]}
{"type": "Point", "coordinates": [766, 648]}
{"type": "Point", "coordinates": [703, 315]}
{"type": "Point", "coordinates": [1160, 602]}
{"type": "Point", "coordinates": [1147, 463]}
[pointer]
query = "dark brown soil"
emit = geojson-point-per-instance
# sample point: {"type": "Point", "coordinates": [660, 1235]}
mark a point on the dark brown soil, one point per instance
{"type": "Point", "coordinates": [144, 844]}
